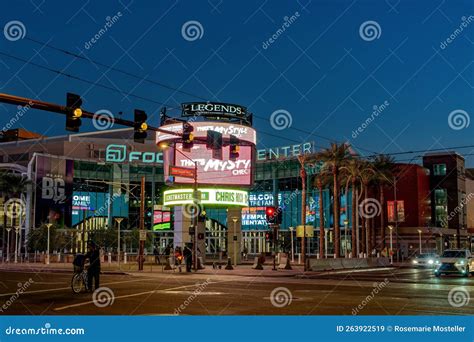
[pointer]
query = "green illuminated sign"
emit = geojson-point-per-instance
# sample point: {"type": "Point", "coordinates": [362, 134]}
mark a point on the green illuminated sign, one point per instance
{"type": "Point", "coordinates": [208, 196]}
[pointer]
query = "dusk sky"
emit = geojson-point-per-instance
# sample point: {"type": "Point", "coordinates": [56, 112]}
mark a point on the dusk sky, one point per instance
{"type": "Point", "coordinates": [326, 70]}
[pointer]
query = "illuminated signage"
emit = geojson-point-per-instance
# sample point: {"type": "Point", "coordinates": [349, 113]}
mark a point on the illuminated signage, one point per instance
{"type": "Point", "coordinates": [118, 154]}
{"type": "Point", "coordinates": [285, 151]}
{"type": "Point", "coordinates": [244, 133]}
{"type": "Point", "coordinates": [212, 109]}
{"type": "Point", "coordinates": [161, 220]}
{"type": "Point", "coordinates": [208, 196]}
{"type": "Point", "coordinates": [215, 171]}
{"type": "Point", "coordinates": [81, 202]}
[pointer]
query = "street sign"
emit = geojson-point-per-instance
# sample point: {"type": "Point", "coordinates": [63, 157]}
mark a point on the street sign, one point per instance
{"type": "Point", "coordinates": [307, 230]}
{"type": "Point", "coordinates": [179, 171]}
{"type": "Point", "coordinates": [142, 234]}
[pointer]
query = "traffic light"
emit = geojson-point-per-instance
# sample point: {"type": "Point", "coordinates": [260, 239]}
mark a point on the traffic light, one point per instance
{"type": "Point", "coordinates": [140, 126]}
{"type": "Point", "coordinates": [187, 136]}
{"type": "Point", "coordinates": [163, 116]}
{"type": "Point", "coordinates": [74, 112]}
{"type": "Point", "coordinates": [234, 147]}
{"type": "Point", "coordinates": [269, 236]}
{"type": "Point", "coordinates": [214, 140]}
{"type": "Point", "coordinates": [273, 215]}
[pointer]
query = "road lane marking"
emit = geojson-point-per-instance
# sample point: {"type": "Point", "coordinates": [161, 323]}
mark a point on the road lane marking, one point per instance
{"type": "Point", "coordinates": [172, 289]}
{"type": "Point", "coordinates": [68, 288]}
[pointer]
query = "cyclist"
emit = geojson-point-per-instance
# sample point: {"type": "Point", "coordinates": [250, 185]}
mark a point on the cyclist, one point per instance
{"type": "Point", "coordinates": [93, 255]}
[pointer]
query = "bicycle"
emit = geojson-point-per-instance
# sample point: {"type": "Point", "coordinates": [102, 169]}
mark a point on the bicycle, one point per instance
{"type": "Point", "coordinates": [79, 281]}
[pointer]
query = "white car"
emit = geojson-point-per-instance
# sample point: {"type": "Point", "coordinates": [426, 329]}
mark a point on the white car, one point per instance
{"type": "Point", "coordinates": [458, 261]}
{"type": "Point", "coordinates": [425, 260]}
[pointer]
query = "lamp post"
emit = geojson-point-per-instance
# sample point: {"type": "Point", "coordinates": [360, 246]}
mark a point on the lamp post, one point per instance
{"type": "Point", "coordinates": [391, 244]}
{"type": "Point", "coordinates": [292, 246]}
{"type": "Point", "coordinates": [346, 223]}
{"type": "Point", "coordinates": [118, 220]}
{"type": "Point", "coordinates": [8, 243]}
{"type": "Point", "coordinates": [17, 231]}
{"type": "Point", "coordinates": [419, 239]}
{"type": "Point", "coordinates": [48, 225]}
{"type": "Point", "coordinates": [234, 238]}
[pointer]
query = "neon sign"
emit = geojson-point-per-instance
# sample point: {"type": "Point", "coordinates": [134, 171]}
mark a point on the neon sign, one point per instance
{"type": "Point", "coordinates": [208, 196]}
{"type": "Point", "coordinates": [118, 154]}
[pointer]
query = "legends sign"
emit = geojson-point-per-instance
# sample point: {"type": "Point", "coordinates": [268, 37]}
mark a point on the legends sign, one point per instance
{"type": "Point", "coordinates": [213, 109]}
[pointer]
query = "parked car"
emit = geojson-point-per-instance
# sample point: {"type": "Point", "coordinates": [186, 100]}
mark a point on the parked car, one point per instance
{"type": "Point", "coordinates": [425, 260]}
{"type": "Point", "coordinates": [457, 261]}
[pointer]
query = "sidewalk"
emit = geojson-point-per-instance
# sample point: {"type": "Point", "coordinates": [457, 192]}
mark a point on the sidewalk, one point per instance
{"type": "Point", "coordinates": [150, 269]}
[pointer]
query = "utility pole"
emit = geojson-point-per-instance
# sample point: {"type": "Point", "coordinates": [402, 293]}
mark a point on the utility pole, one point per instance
{"type": "Point", "coordinates": [142, 225]}
{"type": "Point", "coordinates": [302, 160]}
{"type": "Point", "coordinates": [196, 201]}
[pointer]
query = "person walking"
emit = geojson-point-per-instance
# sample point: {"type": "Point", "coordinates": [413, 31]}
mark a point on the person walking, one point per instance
{"type": "Point", "coordinates": [93, 272]}
{"type": "Point", "coordinates": [188, 257]}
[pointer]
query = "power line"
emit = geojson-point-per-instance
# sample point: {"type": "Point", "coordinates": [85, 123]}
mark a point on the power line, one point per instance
{"type": "Point", "coordinates": [151, 81]}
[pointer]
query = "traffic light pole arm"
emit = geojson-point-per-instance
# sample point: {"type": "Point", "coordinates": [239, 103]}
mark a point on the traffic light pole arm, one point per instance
{"type": "Point", "coordinates": [55, 108]}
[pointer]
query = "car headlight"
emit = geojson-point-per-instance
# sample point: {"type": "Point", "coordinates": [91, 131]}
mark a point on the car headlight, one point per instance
{"type": "Point", "coordinates": [460, 262]}
{"type": "Point", "coordinates": [431, 262]}
{"type": "Point", "coordinates": [415, 261]}
{"type": "Point", "coordinates": [437, 262]}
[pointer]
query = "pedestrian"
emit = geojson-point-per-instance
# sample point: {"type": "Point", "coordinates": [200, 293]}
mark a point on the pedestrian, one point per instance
{"type": "Point", "coordinates": [245, 252]}
{"type": "Point", "coordinates": [178, 256]}
{"type": "Point", "coordinates": [188, 257]}
{"type": "Point", "coordinates": [93, 271]}
{"type": "Point", "coordinates": [156, 253]}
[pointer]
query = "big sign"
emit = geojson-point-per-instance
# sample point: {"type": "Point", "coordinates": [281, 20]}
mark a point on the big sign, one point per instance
{"type": "Point", "coordinates": [215, 171]}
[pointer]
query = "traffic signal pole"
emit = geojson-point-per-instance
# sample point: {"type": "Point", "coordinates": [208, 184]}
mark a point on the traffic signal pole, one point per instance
{"type": "Point", "coordinates": [142, 224]}
{"type": "Point", "coordinates": [55, 108]}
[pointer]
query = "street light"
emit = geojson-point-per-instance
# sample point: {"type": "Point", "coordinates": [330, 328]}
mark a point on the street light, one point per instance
{"type": "Point", "coordinates": [235, 219]}
{"type": "Point", "coordinates": [8, 243]}
{"type": "Point", "coordinates": [391, 245]}
{"type": "Point", "coordinates": [346, 223]}
{"type": "Point", "coordinates": [48, 225]}
{"type": "Point", "coordinates": [118, 220]}
{"type": "Point", "coordinates": [17, 231]}
{"type": "Point", "coordinates": [419, 239]}
{"type": "Point", "coordinates": [292, 248]}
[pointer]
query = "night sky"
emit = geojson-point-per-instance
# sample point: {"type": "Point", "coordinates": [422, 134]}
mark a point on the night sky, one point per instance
{"type": "Point", "coordinates": [327, 66]}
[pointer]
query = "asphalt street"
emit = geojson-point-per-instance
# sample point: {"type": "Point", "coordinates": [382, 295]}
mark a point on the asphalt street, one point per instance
{"type": "Point", "coordinates": [399, 291]}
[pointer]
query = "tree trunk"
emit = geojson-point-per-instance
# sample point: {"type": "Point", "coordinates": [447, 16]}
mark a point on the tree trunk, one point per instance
{"type": "Point", "coordinates": [382, 217]}
{"type": "Point", "coordinates": [354, 220]}
{"type": "Point", "coordinates": [322, 253]}
{"type": "Point", "coordinates": [336, 214]}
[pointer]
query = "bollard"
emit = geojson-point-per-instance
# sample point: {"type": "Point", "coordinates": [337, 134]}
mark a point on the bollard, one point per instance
{"type": "Point", "coordinates": [229, 265]}
{"type": "Point", "coordinates": [109, 257]}
{"type": "Point", "coordinates": [288, 265]}
{"type": "Point", "coordinates": [299, 258]}
{"type": "Point", "coordinates": [125, 257]}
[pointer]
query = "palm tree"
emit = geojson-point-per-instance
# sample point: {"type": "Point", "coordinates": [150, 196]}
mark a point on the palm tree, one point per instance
{"type": "Point", "coordinates": [321, 181]}
{"type": "Point", "coordinates": [384, 168]}
{"type": "Point", "coordinates": [334, 158]}
{"type": "Point", "coordinates": [367, 175]}
{"type": "Point", "coordinates": [352, 173]}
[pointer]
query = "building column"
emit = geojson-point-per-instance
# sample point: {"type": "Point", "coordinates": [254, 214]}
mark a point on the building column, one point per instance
{"type": "Point", "coordinates": [181, 227]}
{"type": "Point", "coordinates": [234, 229]}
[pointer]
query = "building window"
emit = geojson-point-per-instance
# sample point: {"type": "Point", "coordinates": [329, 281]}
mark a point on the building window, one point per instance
{"type": "Point", "coordinates": [439, 169]}
{"type": "Point", "coordinates": [441, 207]}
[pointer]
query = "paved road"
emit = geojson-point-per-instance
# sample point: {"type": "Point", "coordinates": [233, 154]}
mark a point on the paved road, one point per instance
{"type": "Point", "coordinates": [383, 292]}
